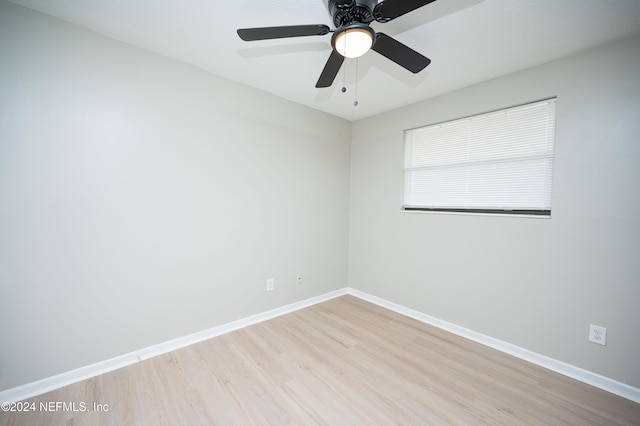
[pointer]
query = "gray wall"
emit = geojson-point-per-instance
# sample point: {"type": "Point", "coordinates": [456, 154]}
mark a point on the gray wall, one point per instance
{"type": "Point", "coordinates": [535, 283]}
{"type": "Point", "coordinates": [142, 199]}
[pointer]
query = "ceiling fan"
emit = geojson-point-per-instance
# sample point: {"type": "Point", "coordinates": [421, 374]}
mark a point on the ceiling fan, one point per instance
{"type": "Point", "coordinates": [353, 36]}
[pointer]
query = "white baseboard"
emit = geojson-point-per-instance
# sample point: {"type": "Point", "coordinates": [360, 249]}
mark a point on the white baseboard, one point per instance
{"type": "Point", "coordinates": [55, 382]}
{"type": "Point", "coordinates": [593, 379]}
{"type": "Point", "coordinates": [48, 384]}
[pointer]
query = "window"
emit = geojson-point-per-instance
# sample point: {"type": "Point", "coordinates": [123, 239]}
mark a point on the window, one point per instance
{"type": "Point", "coordinates": [499, 162]}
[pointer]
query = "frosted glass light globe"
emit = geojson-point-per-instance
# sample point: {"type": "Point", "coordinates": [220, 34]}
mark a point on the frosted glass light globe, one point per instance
{"type": "Point", "coordinates": [354, 42]}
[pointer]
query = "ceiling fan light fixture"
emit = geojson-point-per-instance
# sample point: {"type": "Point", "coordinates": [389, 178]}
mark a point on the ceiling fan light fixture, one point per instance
{"type": "Point", "coordinates": [353, 41]}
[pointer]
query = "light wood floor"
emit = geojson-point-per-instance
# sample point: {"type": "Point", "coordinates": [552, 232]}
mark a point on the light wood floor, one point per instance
{"type": "Point", "coordinates": [344, 361]}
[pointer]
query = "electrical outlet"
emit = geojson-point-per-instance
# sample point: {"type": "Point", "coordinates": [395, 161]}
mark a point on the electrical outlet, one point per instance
{"type": "Point", "coordinates": [597, 334]}
{"type": "Point", "coordinates": [270, 284]}
{"type": "Point", "coordinates": [299, 279]}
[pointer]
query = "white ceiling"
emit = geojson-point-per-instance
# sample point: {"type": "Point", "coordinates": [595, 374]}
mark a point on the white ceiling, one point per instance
{"type": "Point", "coordinates": [468, 41]}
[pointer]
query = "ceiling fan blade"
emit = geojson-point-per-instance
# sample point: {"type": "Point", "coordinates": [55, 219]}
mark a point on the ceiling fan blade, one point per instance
{"type": "Point", "coordinates": [399, 53]}
{"type": "Point", "coordinates": [391, 9]}
{"type": "Point", "coordinates": [330, 70]}
{"type": "Point", "coordinates": [266, 33]}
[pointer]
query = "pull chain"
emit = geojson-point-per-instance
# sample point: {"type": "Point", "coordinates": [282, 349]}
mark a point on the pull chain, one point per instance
{"type": "Point", "coordinates": [355, 102]}
{"type": "Point", "coordinates": [344, 69]}
{"type": "Point", "coordinates": [344, 82]}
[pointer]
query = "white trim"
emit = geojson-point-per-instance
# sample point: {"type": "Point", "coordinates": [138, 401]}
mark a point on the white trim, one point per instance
{"type": "Point", "coordinates": [585, 376]}
{"type": "Point", "coordinates": [64, 379]}
{"type": "Point", "coordinates": [55, 382]}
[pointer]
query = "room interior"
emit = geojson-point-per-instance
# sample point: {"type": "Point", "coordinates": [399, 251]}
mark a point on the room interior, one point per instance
{"type": "Point", "coordinates": [146, 198]}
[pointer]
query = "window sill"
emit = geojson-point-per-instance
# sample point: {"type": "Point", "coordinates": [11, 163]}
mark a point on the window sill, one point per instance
{"type": "Point", "coordinates": [491, 213]}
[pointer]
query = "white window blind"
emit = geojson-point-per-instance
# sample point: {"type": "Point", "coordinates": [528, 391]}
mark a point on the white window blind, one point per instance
{"type": "Point", "coordinates": [499, 162]}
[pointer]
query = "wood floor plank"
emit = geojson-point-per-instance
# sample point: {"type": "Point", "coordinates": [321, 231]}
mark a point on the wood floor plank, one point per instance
{"type": "Point", "coordinates": [344, 361]}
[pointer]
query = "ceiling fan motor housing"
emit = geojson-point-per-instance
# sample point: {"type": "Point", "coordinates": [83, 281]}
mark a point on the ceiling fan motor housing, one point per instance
{"type": "Point", "coordinates": [347, 11]}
